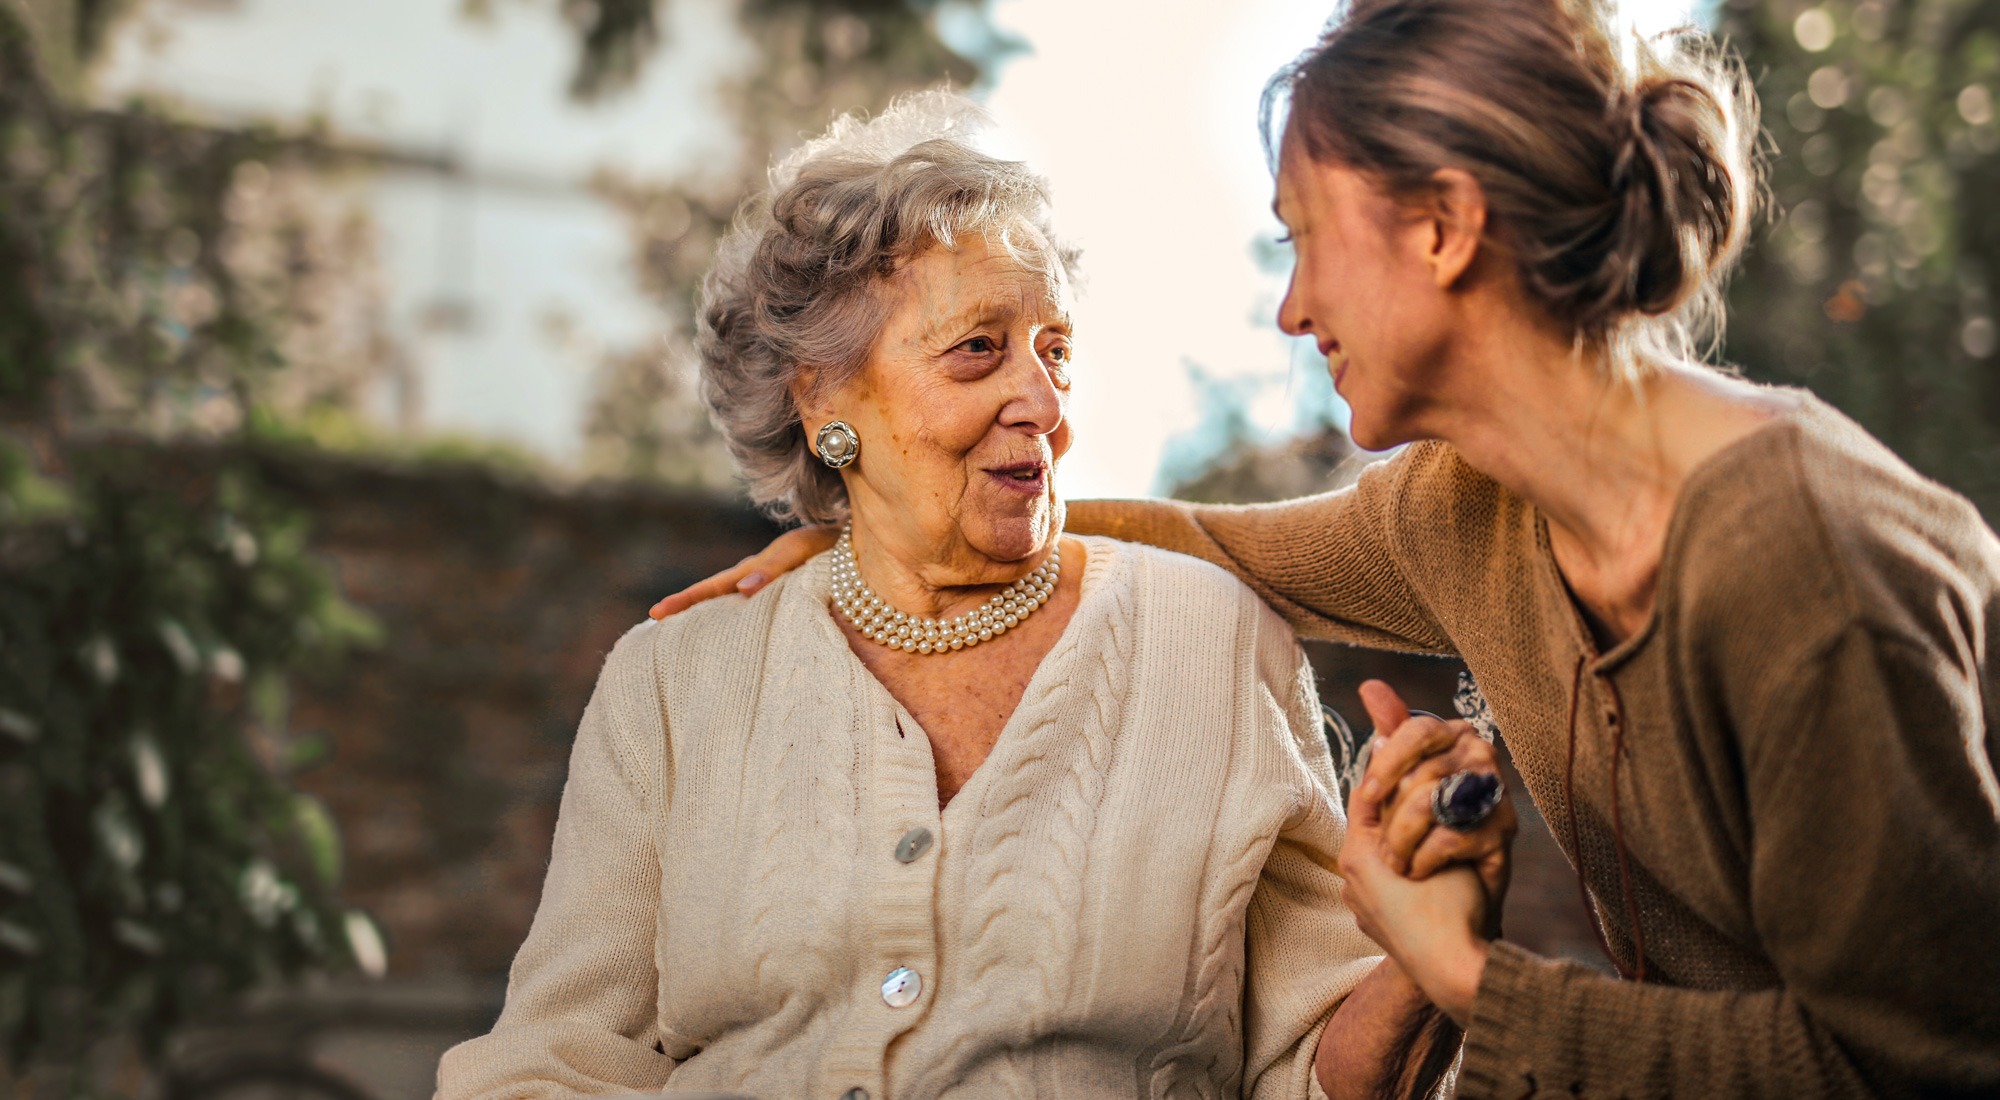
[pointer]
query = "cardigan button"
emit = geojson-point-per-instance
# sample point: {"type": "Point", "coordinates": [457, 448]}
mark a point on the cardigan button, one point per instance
{"type": "Point", "coordinates": [854, 1094]}
{"type": "Point", "coordinates": [902, 987]}
{"type": "Point", "coordinates": [913, 845]}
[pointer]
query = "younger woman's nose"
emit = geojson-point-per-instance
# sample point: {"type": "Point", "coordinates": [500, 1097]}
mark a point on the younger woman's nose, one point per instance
{"type": "Point", "coordinates": [1291, 313]}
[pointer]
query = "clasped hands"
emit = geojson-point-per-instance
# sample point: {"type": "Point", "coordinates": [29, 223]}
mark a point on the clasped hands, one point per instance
{"type": "Point", "coordinates": [1431, 896]}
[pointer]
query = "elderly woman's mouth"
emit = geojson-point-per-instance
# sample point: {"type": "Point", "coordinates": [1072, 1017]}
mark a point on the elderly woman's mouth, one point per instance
{"type": "Point", "coordinates": [1023, 477]}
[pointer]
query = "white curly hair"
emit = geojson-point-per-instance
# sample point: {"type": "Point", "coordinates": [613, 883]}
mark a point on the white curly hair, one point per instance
{"type": "Point", "coordinates": [797, 281]}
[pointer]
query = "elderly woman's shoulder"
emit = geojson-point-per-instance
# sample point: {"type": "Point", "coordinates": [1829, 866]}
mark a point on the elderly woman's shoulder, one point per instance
{"type": "Point", "coordinates": [705, 626]}
{"type": "Point", "coordinates": [1189, 585]}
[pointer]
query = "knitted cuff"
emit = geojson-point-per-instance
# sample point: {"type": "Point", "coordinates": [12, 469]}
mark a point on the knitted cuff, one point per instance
{"type": "Point", "coordinates": [1513, 993]}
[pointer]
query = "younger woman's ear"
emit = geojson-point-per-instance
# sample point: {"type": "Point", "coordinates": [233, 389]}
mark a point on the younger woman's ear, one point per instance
{"type": "Point", "coordinates": [1457, 214]}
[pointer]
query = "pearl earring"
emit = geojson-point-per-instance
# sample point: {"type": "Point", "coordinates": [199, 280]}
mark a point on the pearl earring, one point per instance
{"type": "Point", "coordinates": [837, 444]}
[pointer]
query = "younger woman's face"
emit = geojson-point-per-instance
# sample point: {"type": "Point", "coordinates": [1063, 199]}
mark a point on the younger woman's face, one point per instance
{"type": "Point", "coordinates": [1363, 289]}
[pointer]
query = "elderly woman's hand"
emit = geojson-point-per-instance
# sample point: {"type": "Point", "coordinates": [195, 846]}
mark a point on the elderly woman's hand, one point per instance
{"type": "Point", "coordinates": [786, 553]}
{"type": "Point", "coordinates": [1432, 929]}
{"type": "Point", "coordinates": [1431, 896]}
{"type": "Point", "coordinates": [1411, 755]}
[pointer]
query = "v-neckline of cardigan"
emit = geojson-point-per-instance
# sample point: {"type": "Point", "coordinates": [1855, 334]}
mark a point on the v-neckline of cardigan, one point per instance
{"type": "Point", "coordinates": [1097, 560]}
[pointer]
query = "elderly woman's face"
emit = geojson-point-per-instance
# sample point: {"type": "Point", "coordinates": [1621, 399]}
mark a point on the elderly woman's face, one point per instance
{"type": "Point", "coordinates": [960, 409]}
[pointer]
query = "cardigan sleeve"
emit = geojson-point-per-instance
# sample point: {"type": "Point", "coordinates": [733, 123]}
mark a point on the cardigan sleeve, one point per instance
{"type": "Point", "coordinates": [580, 1015]}
{"type": "Point", "coordinates": [1325, 563]}
{"type": "Point", "coordinates": [1304, 952]}
{"type": "Point", "coordinates": [1875, 881]}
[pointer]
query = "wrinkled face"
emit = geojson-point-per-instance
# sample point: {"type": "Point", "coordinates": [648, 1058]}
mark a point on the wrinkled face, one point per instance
{"type": "Point", "coordinates": [1361, 288]}
{"type": "Point", "coordinates": [960, 409]}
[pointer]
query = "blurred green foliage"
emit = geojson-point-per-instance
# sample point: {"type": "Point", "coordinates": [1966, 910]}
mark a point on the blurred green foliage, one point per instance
{"type": "Point", "coordinates": [154, 854]}
{"type": "Point", "coordinates": [1875, 283]}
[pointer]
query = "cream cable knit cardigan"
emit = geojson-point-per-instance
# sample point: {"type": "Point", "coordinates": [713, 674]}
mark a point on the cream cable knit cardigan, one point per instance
{"type": "Point", "coordinates": [1134, 896]}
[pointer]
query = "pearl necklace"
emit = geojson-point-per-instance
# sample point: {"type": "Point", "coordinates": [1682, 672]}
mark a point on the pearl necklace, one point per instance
{"type": "Point", "coordinates": [874, 618]}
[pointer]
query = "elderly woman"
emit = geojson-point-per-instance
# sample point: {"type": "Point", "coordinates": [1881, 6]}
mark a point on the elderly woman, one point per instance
{"type": "Point", "coordinates": [965, 806]}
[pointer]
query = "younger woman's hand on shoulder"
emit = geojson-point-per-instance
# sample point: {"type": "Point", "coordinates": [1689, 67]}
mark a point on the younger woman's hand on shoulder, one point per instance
{"type": "Point", "coordinates": [786, 553]}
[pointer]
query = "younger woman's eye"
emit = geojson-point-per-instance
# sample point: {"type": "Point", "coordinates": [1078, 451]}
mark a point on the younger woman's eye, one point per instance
{"type": "Point", "coordinates": [1286, 239]}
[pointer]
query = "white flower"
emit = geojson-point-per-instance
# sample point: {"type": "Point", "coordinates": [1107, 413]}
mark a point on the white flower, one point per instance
{"type": "Point", "coordinates": [101, 658]}
{"type": "Point", "coordinates": [137, 936]}
{"type": "Point", "coordinates": [175, 638]}
{"type": "Point", "coordinates": [117, 837]}
{"type": "Point", "coordinates": [19, 726]}
{"type": "Point", "coordinates": [264, 894]}
{"type": "Point", "coordinates": [242, 546]}
{"type": "Point", "coordinates": [365, 940]}
{"type": "Point", "coordinates": [149, 769]}
{"type": "Point", "coordinates": [19, 940]}
{"type": "Point", "coordinates": [226, 664]}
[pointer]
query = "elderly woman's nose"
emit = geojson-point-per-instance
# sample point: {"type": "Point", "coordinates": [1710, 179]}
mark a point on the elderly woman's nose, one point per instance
{"type": "Point", "coordinates": [1037, 402]}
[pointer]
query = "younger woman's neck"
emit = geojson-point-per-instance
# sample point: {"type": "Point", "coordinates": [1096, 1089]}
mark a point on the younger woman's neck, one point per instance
{"type": "Point", "coordinates": [1603, 457]}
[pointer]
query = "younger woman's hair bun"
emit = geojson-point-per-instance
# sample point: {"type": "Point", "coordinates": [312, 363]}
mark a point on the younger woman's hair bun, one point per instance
{"type": "Point", "coordinates": [1618, 172]}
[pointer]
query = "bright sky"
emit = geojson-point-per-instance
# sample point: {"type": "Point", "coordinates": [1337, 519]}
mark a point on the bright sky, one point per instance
{"type": "Point", "coordinates": [1147, 129]}
{"type": "Point", "coordinates": [1143, 115]}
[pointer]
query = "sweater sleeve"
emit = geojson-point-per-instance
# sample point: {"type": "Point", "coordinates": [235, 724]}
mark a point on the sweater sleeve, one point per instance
{"type": "Point", "coordinates": [1325, 563]}
{"type": "Point", "coordinates": [1304, 951]}
{"type": "Point", "coordinates": [1875, 879]}
{"type": "Point", "coordinates": [580, 1014]}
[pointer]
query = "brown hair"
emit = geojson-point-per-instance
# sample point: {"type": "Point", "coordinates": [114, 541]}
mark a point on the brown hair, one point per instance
{"type": "Point", "coordinates": [1622, 192]}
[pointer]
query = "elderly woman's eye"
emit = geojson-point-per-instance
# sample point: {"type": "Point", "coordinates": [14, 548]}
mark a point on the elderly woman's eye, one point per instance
{"type": "Point", "coordinates": [979, 345]}
{"type": "Point", "coordinates": [1058, 357]}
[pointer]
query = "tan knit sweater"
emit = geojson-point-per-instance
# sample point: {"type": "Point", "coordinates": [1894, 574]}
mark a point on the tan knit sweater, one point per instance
{"type": "Point", "coordinates": [1134, 896]}
{"type": "Point", "coordinates": [1807, 793]}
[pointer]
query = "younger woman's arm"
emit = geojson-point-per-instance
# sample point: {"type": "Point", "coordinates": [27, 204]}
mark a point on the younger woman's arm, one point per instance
{"type": "Point", "coordinates": [1325, 563]}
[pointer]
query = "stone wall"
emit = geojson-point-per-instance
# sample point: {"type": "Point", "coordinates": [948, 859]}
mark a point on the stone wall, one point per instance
{"type": "Point", "coordinates": [499, 599]}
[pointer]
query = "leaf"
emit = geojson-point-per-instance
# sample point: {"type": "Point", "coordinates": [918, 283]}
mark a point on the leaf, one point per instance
{"type": "Point", "coordinates": [320, 836]}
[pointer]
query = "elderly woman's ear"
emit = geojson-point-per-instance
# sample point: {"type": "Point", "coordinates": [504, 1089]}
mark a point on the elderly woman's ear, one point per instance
{"type": "Point", "coordinates": [817, 403]}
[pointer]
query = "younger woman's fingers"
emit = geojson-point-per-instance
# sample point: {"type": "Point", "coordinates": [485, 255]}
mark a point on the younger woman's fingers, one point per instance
{"type": "Point", "coordinates": [1393, 758]}
{"type": "Point", "coordinates": [1409, 820]}
{"type": "Point", "coordinates": [785, 553]}
{"type": "Point", "coordinates": [1405, 827]}
{"type": "Point", "coordinates": [1425, 772]}
{"type": "Point", "coordinates": [1443, 847]}
{"type": "Point", "coordinates": [721, 584]}
{"type": "Point", "coordinates": [1466, 752]}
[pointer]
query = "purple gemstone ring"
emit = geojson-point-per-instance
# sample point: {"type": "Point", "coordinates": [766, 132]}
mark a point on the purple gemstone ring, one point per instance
{"type": "Point", "coordinates": [1464, 799]}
